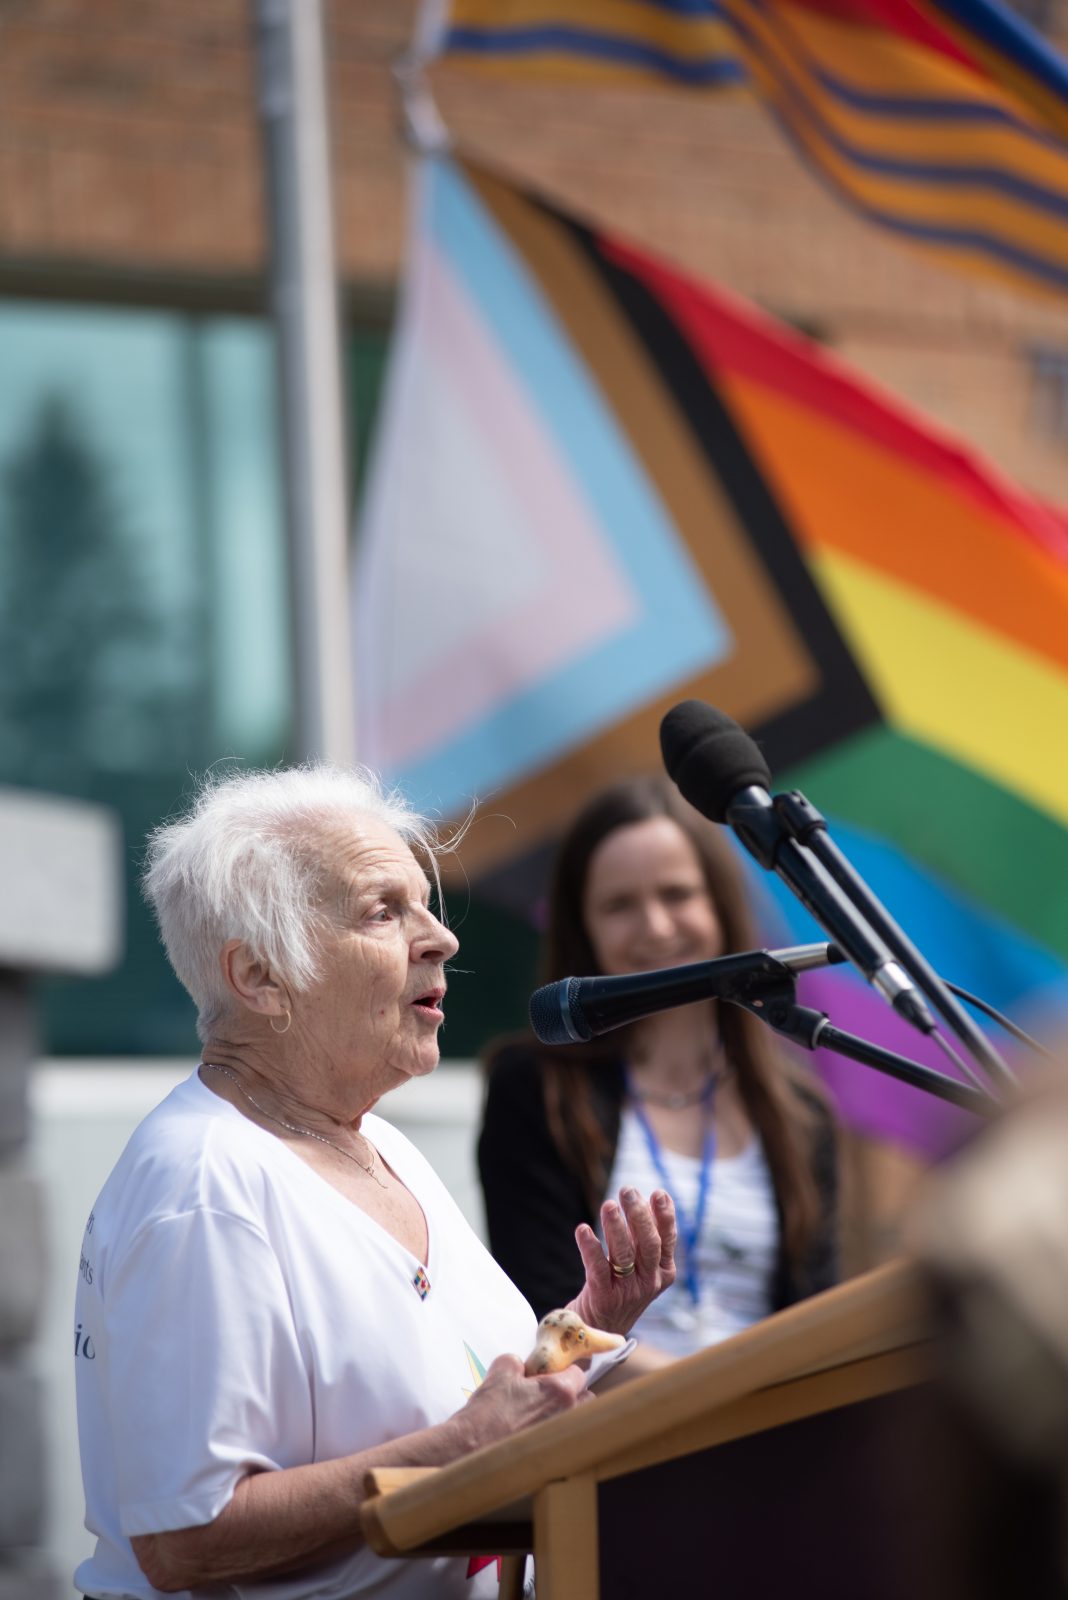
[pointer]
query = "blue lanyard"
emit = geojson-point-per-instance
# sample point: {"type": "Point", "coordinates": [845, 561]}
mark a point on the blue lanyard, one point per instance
{"type": "Point", "coordinates": [689, 1230]}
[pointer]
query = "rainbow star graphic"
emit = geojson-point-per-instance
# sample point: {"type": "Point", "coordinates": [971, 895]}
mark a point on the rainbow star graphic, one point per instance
{"type": "Point", "coordinates": [478, 1372]}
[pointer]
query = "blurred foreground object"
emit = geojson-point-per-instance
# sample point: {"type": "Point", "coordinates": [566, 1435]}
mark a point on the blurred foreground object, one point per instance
{"type": "Point", "coordinates": [992, 1240]}
{"type": "Point", "coordinates": [996, 1242]}
{"type": "Point", "coordinates": [60, 911]}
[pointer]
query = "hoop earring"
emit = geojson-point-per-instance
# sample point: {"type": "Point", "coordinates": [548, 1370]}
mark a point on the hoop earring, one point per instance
{"type": "Point", "coordinates": [289, 1019]}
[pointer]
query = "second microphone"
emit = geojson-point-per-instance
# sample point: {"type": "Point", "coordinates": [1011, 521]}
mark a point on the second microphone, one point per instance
{"type": "Point", "coordinates": [575, 1009]}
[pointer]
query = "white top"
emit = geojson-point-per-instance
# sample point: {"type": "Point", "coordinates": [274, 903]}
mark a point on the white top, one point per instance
{"type": "Point", "coordinates": [235, 1312]}
{"type": "Point", "coordinates": [738, 1246]}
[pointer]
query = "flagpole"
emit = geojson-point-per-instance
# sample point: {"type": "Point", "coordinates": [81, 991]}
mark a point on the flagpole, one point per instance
{"type": "Point", "coordinates": [293, 108]}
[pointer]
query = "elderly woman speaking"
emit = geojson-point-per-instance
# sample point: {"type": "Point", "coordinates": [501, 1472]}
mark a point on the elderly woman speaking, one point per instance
{"type": "Point", "coordinates": [276, 1292]}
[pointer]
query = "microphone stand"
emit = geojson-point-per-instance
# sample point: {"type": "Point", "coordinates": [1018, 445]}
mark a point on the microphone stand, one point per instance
{"type": "Point", "coordinates": [809, 827]}
{"type": "Point", "coordinates": [771, 995]}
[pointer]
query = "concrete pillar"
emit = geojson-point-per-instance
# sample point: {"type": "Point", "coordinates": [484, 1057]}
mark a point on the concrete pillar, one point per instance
{"type": "Point", "coordinates": [60, 899]}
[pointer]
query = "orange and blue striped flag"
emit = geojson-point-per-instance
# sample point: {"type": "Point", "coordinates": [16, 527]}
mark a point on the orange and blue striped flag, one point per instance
{"type": "Point", "coordinates": [945, 121]}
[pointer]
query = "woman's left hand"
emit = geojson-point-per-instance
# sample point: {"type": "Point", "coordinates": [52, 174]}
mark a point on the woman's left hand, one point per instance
{"type": "Point", "coordinates": [640, 1237]}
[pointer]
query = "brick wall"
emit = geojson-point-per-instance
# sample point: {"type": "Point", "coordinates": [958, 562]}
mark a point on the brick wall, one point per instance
{"type": "Point", "coordinates": [129, 145]}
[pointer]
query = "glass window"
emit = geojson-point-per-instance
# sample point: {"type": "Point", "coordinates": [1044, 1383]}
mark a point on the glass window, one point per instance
{"type": "Point", "coordinates": [144, 630]}
{"type": "Point", "coordinates": [143, 595]}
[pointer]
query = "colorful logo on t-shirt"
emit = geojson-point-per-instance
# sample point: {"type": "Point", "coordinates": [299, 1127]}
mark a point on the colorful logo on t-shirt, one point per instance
{"type": "Point", "coordinates": [476, 1564]}
{"type": "Point", "coordinates": [478, 1370]}
{"type": "Point", "coordinates": [421, 1284]}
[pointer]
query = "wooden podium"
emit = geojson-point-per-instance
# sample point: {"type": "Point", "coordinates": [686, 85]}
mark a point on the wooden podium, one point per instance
{"type": "Point", "coordinates": [782, 1460]}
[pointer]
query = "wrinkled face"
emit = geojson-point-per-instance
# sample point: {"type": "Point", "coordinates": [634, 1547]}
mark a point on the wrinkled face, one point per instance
{"type": "Point", "coordinates": [374, 1014]}
{"type": "Point", "coordinates": [646, 904]}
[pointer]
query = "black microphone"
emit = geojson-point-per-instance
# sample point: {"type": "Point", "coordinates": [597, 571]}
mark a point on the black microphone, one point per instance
{"type": "Point", "coordinates": [575, 1009]}
{"type": "Point", "coordinates": [721, 772]}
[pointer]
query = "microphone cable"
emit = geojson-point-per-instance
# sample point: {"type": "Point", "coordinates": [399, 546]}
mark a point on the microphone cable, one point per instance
{"type": "Point", "coordinates": [1004, 1021]}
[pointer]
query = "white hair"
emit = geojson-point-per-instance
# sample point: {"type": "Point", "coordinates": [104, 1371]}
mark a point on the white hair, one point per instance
{"type": "Point", "coordinates": [248, 861]}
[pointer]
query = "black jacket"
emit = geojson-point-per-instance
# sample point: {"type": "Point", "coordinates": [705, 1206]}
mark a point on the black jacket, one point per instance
{"type": "Point", "coordinates": [534, 1201]}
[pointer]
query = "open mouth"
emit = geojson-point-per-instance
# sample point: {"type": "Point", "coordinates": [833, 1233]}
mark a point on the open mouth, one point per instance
{"type": "Point", "coordinates": [431, 1001]}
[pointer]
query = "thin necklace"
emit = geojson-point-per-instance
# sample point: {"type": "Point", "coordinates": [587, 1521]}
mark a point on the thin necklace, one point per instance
{"type": "Point", "coordinates": [676, 1102]}
{"type": "Point", "coordinates": [293, 1128]}
{"type": "Point", "coordinates": [679, 1101]}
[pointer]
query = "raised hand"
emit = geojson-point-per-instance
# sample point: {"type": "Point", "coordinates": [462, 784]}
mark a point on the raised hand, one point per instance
{"type": "Point", "coordinates": [640, 1237]}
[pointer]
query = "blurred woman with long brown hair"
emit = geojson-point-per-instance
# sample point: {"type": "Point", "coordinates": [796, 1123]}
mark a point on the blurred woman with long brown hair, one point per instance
{"type": "Point", "coordinates": [698, 1100]}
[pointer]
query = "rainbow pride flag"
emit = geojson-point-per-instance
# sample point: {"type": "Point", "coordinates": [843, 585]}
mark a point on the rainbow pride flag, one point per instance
{"type": "Point", "coordinates": [944, 121]}
{"type": "Point", "coordinates": [600, 488]}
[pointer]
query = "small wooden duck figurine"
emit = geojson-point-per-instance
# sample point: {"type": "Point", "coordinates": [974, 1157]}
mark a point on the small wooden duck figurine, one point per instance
{"type": "Point", "coordinates": [563, 1337]}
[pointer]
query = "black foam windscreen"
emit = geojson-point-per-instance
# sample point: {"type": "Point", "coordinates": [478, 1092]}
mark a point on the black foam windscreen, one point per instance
{"type": "Point", "coordinates": [547, 1013]}
{"type": "Point", "coordinates": [709, 757]}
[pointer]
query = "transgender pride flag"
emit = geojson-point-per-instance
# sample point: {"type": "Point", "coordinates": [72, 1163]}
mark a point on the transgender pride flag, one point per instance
{"type": "Point", "coordinates": [600, 488]}
{"type": "Point", "coordinates": [522, 585]}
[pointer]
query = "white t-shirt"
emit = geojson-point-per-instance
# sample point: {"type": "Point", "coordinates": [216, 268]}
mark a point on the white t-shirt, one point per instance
{"type": "Point", "coordinates": [737, 1248]}
{"type": "Point", "coordinates": [235, 1312]}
